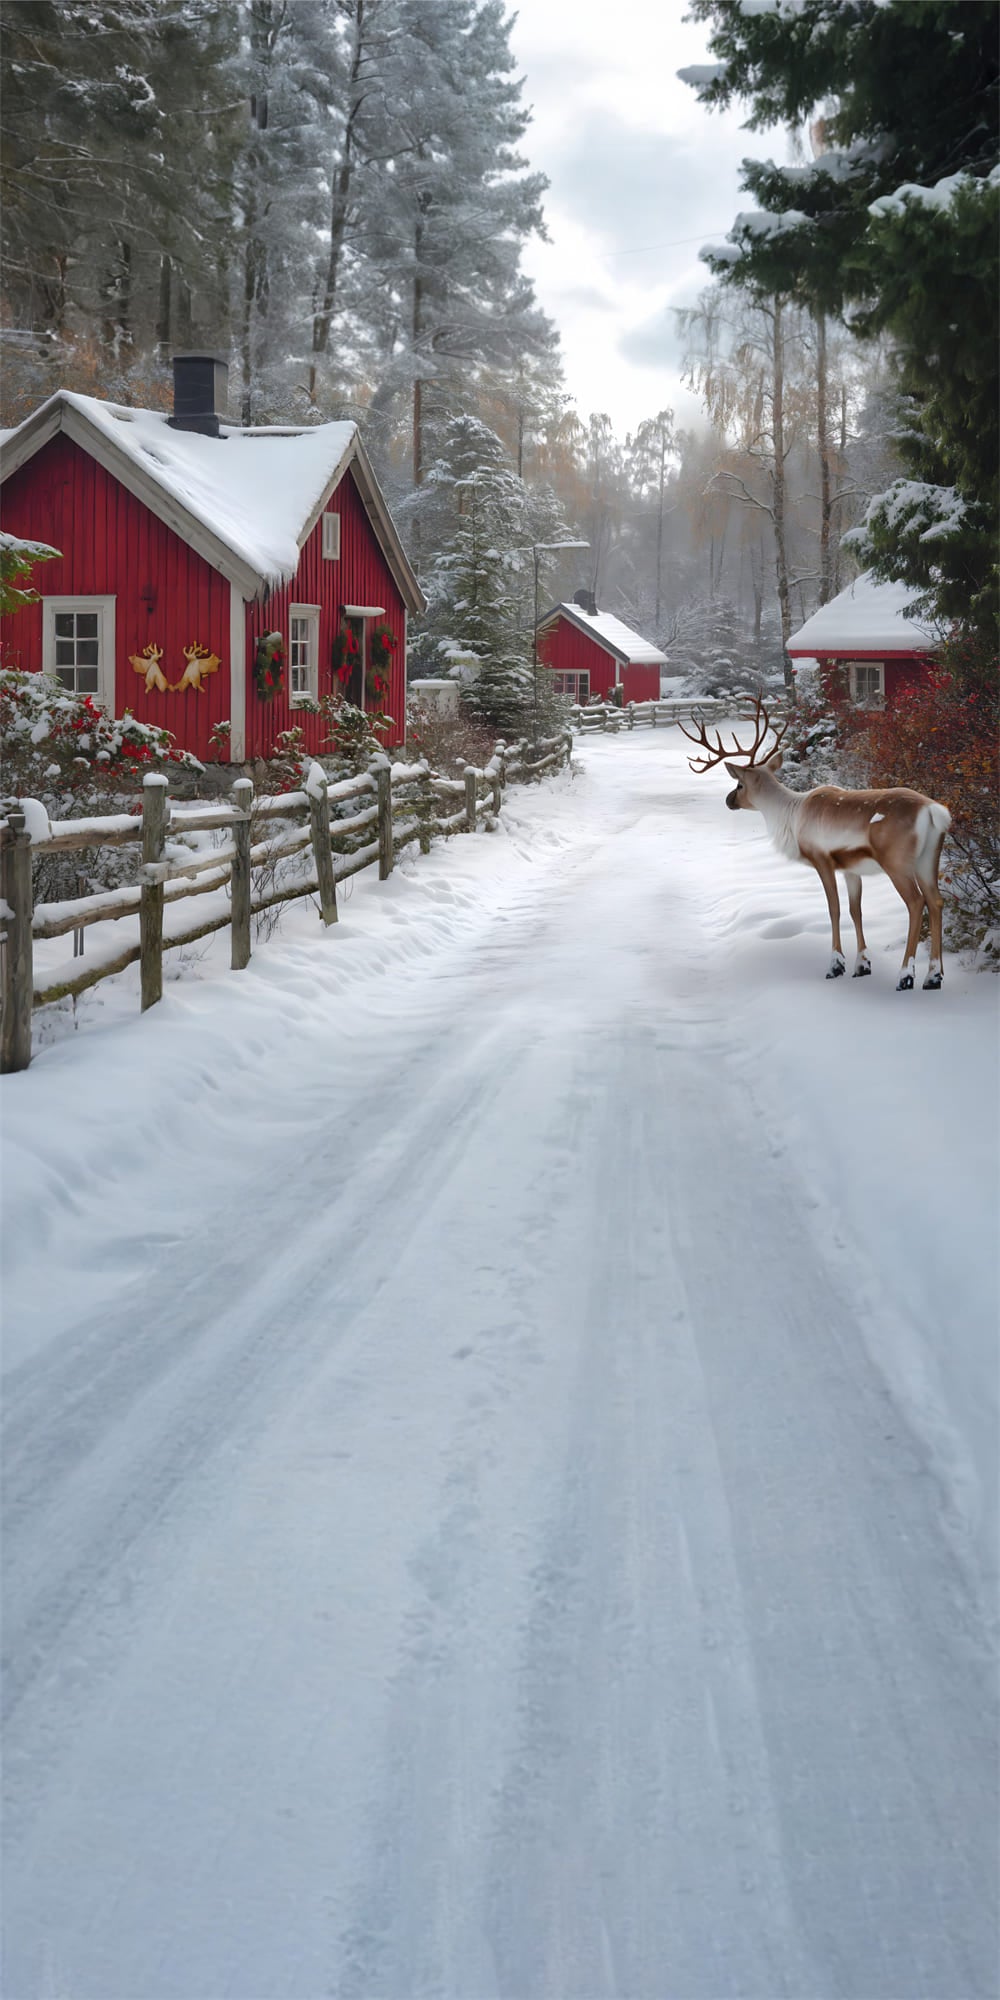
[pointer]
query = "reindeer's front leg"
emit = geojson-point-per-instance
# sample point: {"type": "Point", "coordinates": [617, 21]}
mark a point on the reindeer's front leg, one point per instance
{"type": "Point", "coordinates": [862, 964]}
{"type": "Point", "coordinates": [828, 876]}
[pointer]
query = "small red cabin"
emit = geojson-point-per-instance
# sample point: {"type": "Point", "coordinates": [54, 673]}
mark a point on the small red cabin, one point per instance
{"type": "Point", "coordinates": [187, 542]}
{"type": "Point", "coordinates": [867, 631]}
{"type": "Point", "coordinates": [591, 653]}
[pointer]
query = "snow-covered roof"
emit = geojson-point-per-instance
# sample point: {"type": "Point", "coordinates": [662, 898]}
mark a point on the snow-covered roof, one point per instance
{"type": "Point", "coordinates": [247, 499]}
{"type": "Point", "coordinates": [610, 633]}
{"type": "Point", "coordinates": [867, 617]}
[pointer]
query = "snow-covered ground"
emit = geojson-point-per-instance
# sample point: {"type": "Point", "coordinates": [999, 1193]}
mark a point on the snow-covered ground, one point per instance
{"type": "Point", "coordinates": [500, 1443]}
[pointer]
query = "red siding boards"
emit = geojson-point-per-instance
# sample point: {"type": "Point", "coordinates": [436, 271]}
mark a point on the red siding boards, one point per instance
{"type": "Point", "coordinates": [114, 547]}
{"type": "Point", "coordinates": [568, 650]}
{"type": "Point", "coordinates": [360, 576]}
{"type": "Point", "coordinates": [900, 670]}
{"type": "Point", "coordinates": [167, 594]}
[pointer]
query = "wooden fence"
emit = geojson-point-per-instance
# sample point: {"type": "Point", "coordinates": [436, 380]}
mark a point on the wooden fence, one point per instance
{"type": "Point", "coordinates": [608, 716]}
{"type": "Point", "coordinates": [398, 803]}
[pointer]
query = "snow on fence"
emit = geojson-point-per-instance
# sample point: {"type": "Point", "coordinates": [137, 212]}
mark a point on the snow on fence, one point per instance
{"type": "Point", "coordinates": [399, 803]}
{"type": "Point", "coordinates": [607, 715]}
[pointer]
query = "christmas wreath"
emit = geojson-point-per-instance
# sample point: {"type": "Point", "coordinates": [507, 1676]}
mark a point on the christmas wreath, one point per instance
{"type": "Point", "coordinates": [269, 665]}
{"type": "Point", "coordinates": [381, 647]}
{"type": "Point", "coordinates": [345, 653]}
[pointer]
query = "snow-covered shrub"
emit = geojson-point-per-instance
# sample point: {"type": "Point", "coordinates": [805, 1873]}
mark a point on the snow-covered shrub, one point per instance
{"type": "Point", "coordinates": [813, 750]}
{"type": "Point", "coordinates": [940, 737]}
{"type": "Point", "coordinates": [448, 740]}
{"type": "Point", "coordinates": [353, 736]}
{"type": "Point", "coordinates": [62, 749]}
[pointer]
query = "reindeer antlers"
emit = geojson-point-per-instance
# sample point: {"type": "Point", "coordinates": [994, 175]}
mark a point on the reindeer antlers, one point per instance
{"type": "Point", "coordinates": [717, 752]}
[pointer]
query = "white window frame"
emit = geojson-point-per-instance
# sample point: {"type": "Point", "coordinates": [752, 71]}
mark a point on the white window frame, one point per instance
{"type": "Point", "coordinates": [872, 697]}
{"type": "Point", "coordinates": [310, 614]}
{"type": "Point", "coordinates": [577, 694]}
{"type": "Point", "coordinates": [331, 537]}
{"type": "Point", "coordinates": [105, 609]}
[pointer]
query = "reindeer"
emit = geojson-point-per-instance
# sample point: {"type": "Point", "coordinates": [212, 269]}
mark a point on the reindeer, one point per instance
{"type": "Point", "coordinates": [898, 831]}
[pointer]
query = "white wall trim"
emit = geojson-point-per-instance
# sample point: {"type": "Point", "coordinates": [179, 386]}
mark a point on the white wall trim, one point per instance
{"type": "Point", "coordinates": [310, 612]}
{"type": "Point", "coordinates": [105, 608]}
{"type": "Point", "coordinates": [237, 676]}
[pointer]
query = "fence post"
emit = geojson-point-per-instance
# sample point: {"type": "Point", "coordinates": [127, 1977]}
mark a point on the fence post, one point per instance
{"type": "Point", "coordinates": [154, 809]}
{"type": "Point", "coordinates": [604, 715]}
{"type": "Point", "coordinates": [319, 827]}
{"type": "Point", "coordinates": [631, 715]}
{"type": "Point", "coordinates": [652, 714]}
{"type": "Point", "coordinates": [239, 881]}
{"type": "Point", "coordinates": [18, 979]}
{"type": "Point", "coordinates": [425, 808]}
{"type": "Point", "coordinates": [383, 782]}
{"type": "Point", "coordinates": [471, 796]}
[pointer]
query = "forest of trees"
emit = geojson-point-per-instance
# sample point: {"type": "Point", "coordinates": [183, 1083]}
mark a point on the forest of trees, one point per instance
{"type": "Point", "coordinates": [336, 194]}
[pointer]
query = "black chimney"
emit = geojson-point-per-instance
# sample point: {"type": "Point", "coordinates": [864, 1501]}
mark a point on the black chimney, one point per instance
{"type": "Point", "coordinates": [587, 602]}
{"type": "Point", "coordinates": [201, 392]}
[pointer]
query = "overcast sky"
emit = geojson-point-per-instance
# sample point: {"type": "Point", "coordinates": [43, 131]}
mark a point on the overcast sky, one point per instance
{"type": "Point", "coordinates": [640, 176]}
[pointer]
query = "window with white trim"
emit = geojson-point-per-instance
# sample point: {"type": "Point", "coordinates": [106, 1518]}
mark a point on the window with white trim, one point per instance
{"type": "Point", "coordinates": [303, 653]}
{"type": "Point", "coordinates": [577, 686]}
{"type": "Point", "coordinates": [331, 537]}
{"type": "Point", "coordinates": [867, 683]}
{"type": "Point", "coordinates": [78, 645]}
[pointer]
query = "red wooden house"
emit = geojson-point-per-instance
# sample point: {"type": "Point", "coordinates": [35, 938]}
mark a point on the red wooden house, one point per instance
{"type": "Point", "coordinates": [868, 633]}
{"type": "Point", "coordinates": [592, 653]}
{"type": "Point", "coordinates": [186, 544]}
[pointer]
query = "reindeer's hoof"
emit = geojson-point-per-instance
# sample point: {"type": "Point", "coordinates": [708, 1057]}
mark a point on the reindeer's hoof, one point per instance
{"type": "Point", "coordinates": [837, 967]}
{"type": "Point", "coordinates": [932, 983]}
{"type": "Point", "coordinates": [863, 969]}
{"type": "Point", "coordinates": [904, 983]}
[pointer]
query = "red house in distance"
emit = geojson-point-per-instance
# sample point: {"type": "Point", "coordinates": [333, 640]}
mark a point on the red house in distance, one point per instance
{"type": "Point", "coordinates": [185, 542]}
{"type": "Point", "coordinates": [591, 653]}
{"type": "Point", "coordinates": [867, 631]}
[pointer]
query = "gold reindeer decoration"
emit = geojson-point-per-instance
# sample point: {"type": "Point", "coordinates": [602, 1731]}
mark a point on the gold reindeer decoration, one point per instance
{"type": "Point", "coordinates": [199, 663]}
{"type": "Point", "coordinates": [147, 663]}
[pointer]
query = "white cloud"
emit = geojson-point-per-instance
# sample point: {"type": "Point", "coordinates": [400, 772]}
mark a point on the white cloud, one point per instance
{"type": "Point", "coordinates": [639, 176]}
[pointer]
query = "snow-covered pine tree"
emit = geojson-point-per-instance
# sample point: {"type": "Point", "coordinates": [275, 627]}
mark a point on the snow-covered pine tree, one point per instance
{"type": "Point", "coordinates": [110, 164]}
{"type": "Point", "coordinates": [481, 586]}
{"type": "Point", "coordinates": [894, 225]}
{"type": "Point", "coordinates": [448, 223]}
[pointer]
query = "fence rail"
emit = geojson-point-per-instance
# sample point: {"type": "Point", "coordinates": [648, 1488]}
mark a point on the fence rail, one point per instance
{"type": "Point", "coordinates": [608, 716]}
{"type": "Point", "coordinates": [398, 804]}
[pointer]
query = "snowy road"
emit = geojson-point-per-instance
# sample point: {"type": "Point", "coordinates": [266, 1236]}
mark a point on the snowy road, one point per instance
{"type": "Point", "coordinates": [497, 1491]}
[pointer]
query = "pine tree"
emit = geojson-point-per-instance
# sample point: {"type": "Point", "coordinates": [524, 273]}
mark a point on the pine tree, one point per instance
{"type": "Point", "coordinates": [110, 164]}
{"type": "Point", "coordinates": [893, 226]}
{"type": "Point", "coordinates": [489, 529]}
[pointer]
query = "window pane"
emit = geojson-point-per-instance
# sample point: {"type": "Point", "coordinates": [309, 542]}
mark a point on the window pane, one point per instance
{"type": "Point", "coordinates": [87, 653]}
{"type": "Point", "coordinates": [67, 676]}
{"type": "Point", "coordinates": [65, 652]}
{"type": "Point", "coordinates": [86, 624]}
{"type": "Point", "coordinates": [86, 680]}
{"type": "Point", "coordinates": [64, 624]}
